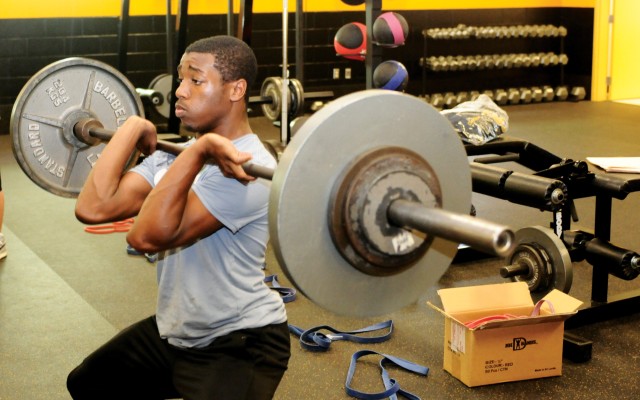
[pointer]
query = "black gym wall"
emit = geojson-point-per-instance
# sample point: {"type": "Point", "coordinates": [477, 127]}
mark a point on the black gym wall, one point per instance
{"type": "Point", "coordinates": [26, 45]}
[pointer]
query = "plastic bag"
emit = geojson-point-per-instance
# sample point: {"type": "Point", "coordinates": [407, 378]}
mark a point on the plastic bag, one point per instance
{"type": "Point", "coordinates": [478, 121]}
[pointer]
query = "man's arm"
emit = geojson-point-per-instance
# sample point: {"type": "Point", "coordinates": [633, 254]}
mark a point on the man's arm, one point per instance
{"type": "Point", "coordinates": [109, 194]}
{"type": "Point", "coordinates": [172, 215]}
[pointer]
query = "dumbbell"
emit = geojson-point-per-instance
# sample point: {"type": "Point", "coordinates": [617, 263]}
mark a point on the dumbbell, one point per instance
{"type": "Point", "coordinates": [513, 96]}
{"type": "Point", "coordinates": [437, 100]}
{"type": "Point", "coordinates": [509, 61]}
{"type": "Point", "coordinates": [525, 95]}
{"type": "Point", "coordinates": [444, 63]}
{"type": "Point", "coordinates": [461, 97]}
{"type": "Point", "coordinates": [472, 64]}
{"type": "Point", "coordinates": [518, 61]}
{"type": "Point", "coordinates": [501, 97]}
{"type": "Point", "coordinates": [450, 100]}
{"type": "Point", "coordinates": [451, 63]}
{"type": "Point", "coordinates": [563, 59]}
{"type": "Point", "coordinates": [489, 61]}
{"type": "Point", "coordinates": [536, 94]}
{"type": "Point", "coordinates": [535, 60]}
{"type": "Point", "coordinates": [553, 31]}
{"type": "Point", "coordinates": [489, 93]}
{"type": "Point", "coordinates": [481, 62]}
{"type": "Point", "coordinates": [562, 93]}
{"type": "Point", "coordinates": [578, 93]}
{"type": "Point", "coordinates": [548, 93]}
{"type": "Point", "coordinates": [499, 61]}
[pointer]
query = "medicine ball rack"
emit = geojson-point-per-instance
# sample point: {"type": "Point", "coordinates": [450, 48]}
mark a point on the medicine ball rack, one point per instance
{"type": "Point", "coordinates": [373, 55]}
{"type": "Point", "coordinates": [516, 94]}
{"type": "Point", "coordinates": [593, 247]}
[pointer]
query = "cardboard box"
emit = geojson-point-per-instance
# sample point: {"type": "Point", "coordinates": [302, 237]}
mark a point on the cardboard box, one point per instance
{"type": "Point", "coordinates": [503, 350]}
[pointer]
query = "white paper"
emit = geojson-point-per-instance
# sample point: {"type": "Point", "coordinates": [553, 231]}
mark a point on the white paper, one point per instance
{"type": "Point", "coordinates": [458, 344]}
{"type": "Point", "coordinates": [617, 164]}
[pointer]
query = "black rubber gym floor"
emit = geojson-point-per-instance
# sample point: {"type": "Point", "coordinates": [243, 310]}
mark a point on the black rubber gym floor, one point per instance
{"type": "Point", "coordinates": [64, 291]}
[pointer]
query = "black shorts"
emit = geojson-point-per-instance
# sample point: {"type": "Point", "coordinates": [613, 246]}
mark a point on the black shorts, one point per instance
{"type": "Point", "coordinates": [138, 364]}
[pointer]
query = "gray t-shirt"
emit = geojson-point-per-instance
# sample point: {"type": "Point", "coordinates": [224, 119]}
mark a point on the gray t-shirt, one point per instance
{"type": "Point", "coordinates": [216, 285]}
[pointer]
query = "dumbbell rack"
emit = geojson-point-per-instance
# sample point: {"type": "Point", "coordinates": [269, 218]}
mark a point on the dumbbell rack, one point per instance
{"type": "Point", "coordinates": [496, 62]}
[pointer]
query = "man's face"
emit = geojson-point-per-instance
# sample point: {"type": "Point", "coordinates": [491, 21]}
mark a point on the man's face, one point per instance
{"type": "Point", "coordinates": [202, 98]}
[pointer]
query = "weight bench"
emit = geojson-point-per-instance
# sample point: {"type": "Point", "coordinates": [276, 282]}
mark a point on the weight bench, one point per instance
{"type": "Point", "coordinates": [581, 183]}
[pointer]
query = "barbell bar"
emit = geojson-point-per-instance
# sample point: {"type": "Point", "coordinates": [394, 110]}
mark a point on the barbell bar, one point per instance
{"type": "Point", "coordinates": [367, 205]}
{"type": "Point", "coordinates": [88, 130]}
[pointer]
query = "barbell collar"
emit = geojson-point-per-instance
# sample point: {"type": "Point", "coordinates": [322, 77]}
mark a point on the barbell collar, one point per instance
{"type": "Point", "coordinates": [509, 271]}
{"type": "Point", "coordinates": [482, 235]}
{"type": "Point", "coordinates": [153, 96]}
{"type": "Point", "coordinates": [82, 131]}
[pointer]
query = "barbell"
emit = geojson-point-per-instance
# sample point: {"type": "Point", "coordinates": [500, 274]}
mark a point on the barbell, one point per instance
{"type": "Point", "coordinates": [367, 205]}
{"type": "Point", "coordinates": [270, 98]}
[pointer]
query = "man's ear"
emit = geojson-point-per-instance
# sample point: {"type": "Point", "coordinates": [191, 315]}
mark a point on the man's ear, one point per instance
{"type": "Point", "coordinates": [239, 90]}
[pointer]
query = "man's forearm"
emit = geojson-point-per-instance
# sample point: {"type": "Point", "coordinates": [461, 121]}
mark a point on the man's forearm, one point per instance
{"type": "Point", "coordinates": [160, 222]}
{"type": "Point", "coordinates": [96, 200]}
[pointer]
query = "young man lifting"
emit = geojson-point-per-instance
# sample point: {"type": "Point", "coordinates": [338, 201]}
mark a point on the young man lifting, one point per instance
{"type": "Point", "coordinates": [219, 332]}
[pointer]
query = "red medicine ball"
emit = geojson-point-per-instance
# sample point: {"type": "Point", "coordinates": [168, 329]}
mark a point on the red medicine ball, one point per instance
{"type": "Point", "coordinates": [391, 75]}
{"type": "Point", "coordinates": [351, 41]}
{"type": "Point", "coordinates": [390, 30]}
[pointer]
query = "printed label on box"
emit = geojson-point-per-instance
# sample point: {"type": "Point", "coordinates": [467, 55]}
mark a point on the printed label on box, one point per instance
{"type": "Point", "coordinates": [495, 366]}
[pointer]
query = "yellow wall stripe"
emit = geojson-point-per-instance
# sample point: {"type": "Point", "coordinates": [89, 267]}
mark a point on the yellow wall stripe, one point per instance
{"type": "Point", "coordinates": [111, 8]}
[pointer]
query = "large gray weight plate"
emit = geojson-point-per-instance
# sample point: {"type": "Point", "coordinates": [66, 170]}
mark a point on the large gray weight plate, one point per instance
{"type": "Point", "coordinates": [48, 107]}
{"type": "Point", "coordinates": [310, 165]}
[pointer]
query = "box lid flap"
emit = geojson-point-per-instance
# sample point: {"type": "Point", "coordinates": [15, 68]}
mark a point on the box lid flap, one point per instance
{"type": "Point", "coordinates": [485, 297]}
{"type": "Point", "coordinates": [562, 302]}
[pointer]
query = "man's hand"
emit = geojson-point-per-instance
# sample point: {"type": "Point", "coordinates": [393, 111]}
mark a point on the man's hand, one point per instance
{"type": "Point", "coordinates": [146, 131]}
{"type": "Point", "coordinates": [226, 156]}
